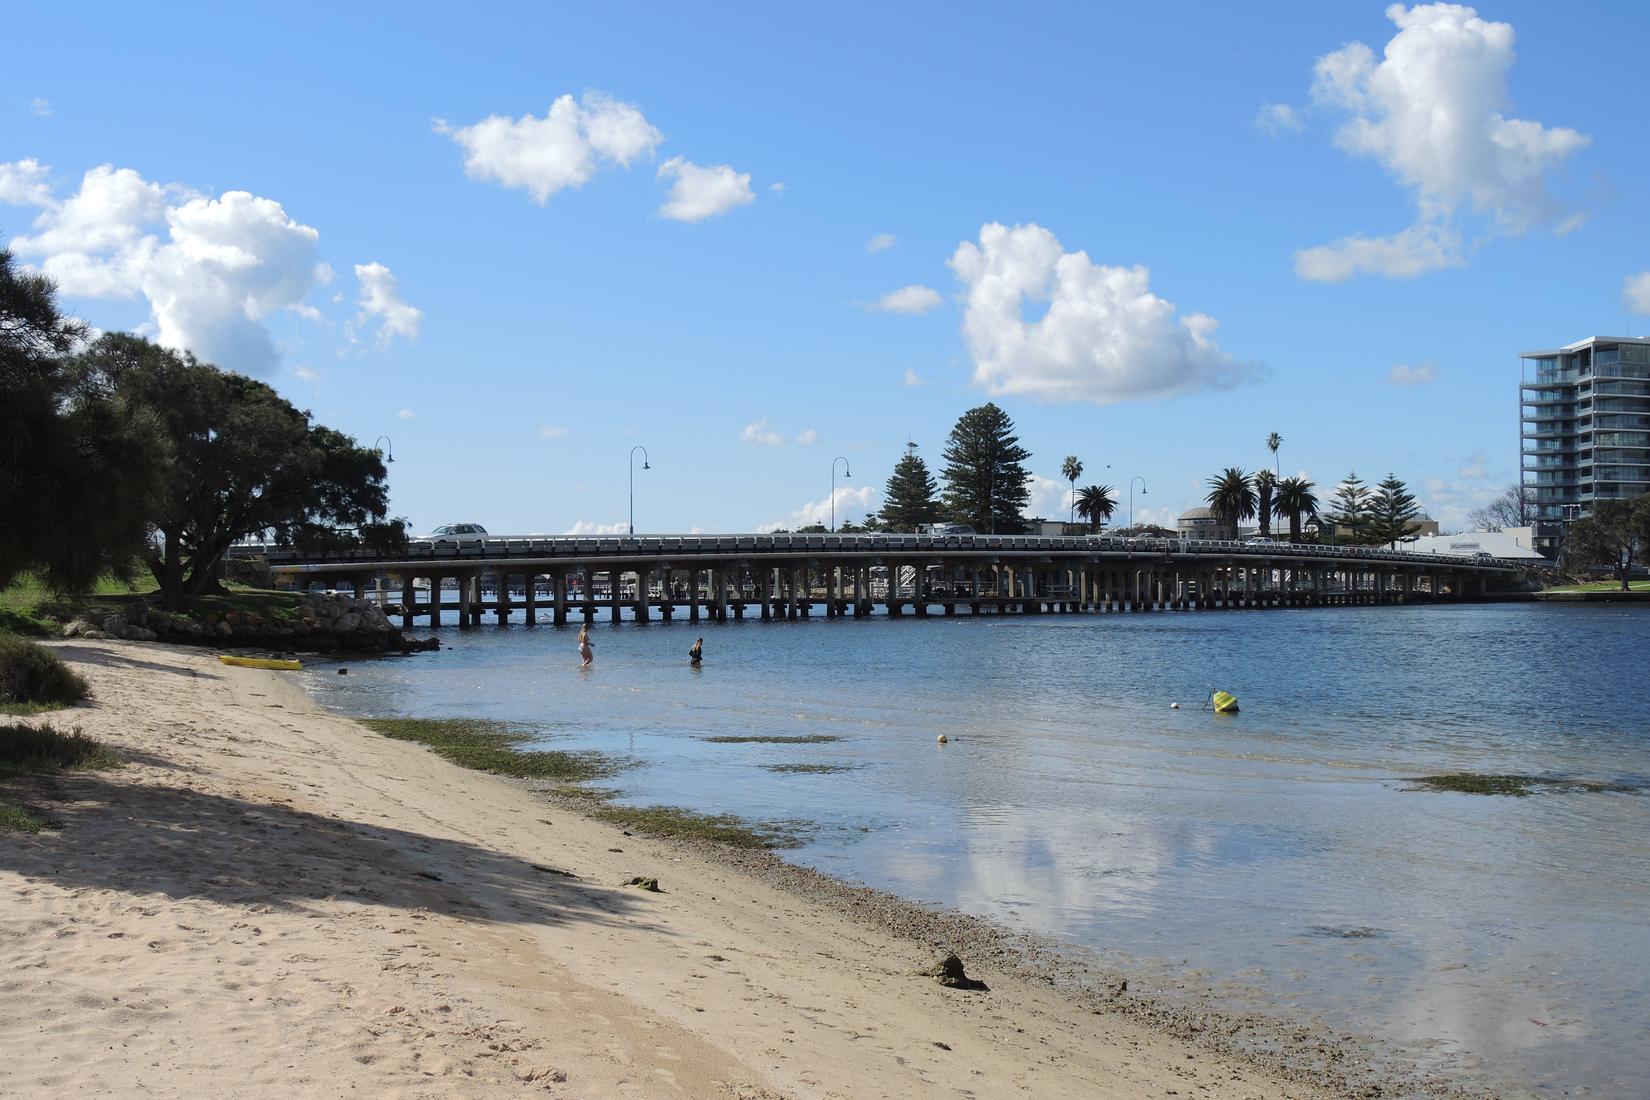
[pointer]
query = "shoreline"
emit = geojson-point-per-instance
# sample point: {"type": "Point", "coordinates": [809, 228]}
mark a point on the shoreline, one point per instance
{"type": "Point", "coordinates": [820, 997]}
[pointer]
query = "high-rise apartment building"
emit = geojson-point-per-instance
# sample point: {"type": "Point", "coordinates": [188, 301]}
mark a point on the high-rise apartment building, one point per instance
{"type": "Point", "coordinates": [1585, 414]}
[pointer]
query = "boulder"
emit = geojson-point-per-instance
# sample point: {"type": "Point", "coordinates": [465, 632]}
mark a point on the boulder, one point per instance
{"type": "Point", "coordinates": [114, 624]}
{"type": "Point", "coordinates": [344, 624]}
{"type": "Point", "coordinates": [224, 630]}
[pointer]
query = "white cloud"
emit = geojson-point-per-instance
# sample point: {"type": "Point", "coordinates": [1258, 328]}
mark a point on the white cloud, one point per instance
{"type": "Point", "coordinates": [699, 193]}
{"type": "Point", "coordinates": [1635, 292]}
{"type": "Point", "coordinates": [381, 300]}
{"type": "Point", "coordinates": [40, 107]}
{"type": "Point", "coordinates": [1105, 337]}
{"type": "Point", "coordinates": [777, 188]}
{"type": "Point", "coordinates": [1449, 502]}
{"type": "Point", "coordinates": [1430, 112]}
{"type": "Point", "coordinates": [585, 527]}
{"type": "Point", "coordinates": [1050, 497]}
{"type": "Point", "coordinates": [1278, 118]}
{"type": "Point", "coordinates": [552, 431]}
{"type": "Point", "coordinates": [1474, 468]}
{"type": "Point", "coordinates": [563, 149]}
{"type": "Point", "coordinates": [1402, 374]}
{"type": "Point", "coordinates": [852, 502]}
{"type": "Point", "coordinates": [23, 183]}
{"type": "Point", "coordinates": [307, 374]}
{"type": "Point", "coordinates": [881, 242]}
{"type": "Point", "coordinates": [807, 437]}
{"type": "Point", "coordinates": [913, 379]}
{"type": "Point", "coordinates": [912, 299]}
{"type": "Point", "coordinates": [760, 434]}
{"type": "Point", "coordinates": [405, 414]}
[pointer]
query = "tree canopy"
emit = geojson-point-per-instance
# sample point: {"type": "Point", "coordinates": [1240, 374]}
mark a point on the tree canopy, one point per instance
{"type": "Point", "coordinates": [1392, 512]}
{"type": "Point", "coordinates": [1515, 507]}
{"type": "Point", "coordinates": [1096, 504]}
{"type": "Point", "coordinates": [1349, 509]}
{"type": "Point", "coordinates": [986, 483]}
{"type": "Point", "coordinates": [1232, 498]}
{"type": "Point", "coordinates": [1295, 498]}
{"type": "Point", "coordinates": [908, 501]}
{"type": "Point", "coordinates": [1615, 536]}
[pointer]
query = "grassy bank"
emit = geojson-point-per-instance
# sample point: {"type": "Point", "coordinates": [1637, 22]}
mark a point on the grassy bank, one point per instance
{"type": "Point", "coordinates": [34, 750]}
{"type": "Point", "coordinates": [1601, 586]}
{"type": "Point", "coordinates": [29, 607]}
{"type": "Point", "coordinates": [499, 748]}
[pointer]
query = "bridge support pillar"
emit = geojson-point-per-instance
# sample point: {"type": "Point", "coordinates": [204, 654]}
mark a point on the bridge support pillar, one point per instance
{"type": "Point", "coordinates": [463, 601]}
{"type": "Point", "coordinates": [409, 593]}
{"type": "Point", "coordinates": [558, 596]}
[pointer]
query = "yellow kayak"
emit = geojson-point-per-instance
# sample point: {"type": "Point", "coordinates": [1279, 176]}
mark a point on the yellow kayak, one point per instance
{"type": "Point", "coordinates": [261, 662]}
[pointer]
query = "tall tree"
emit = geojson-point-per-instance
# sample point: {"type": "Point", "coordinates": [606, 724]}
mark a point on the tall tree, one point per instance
{"type": "Point", "coordinates": [986, 482]}
{"type": "Point", "coordinates": [1266, 483]}
{"type": "Point", "coordinates": [1392, 512]}
{"type": "Point", "coordinates": [1273, 442]}
{"type": "Point", "coordinates": [1294, 500]}
{"type": "Point", "coordinates": [1516, 507]}
{"type": "Point", "coordinates": [77, 463]}
{"type": "Point", "coordinates": [1615, 536]}
{"type": "Point", "coordinates": [908, 500]}
{"type": "Point", "coordinates": [241, 461]}
{"type": "Point", "coordinates": [1072, 469]}
{"type": "Point", "coordinates": [1232, 498]}
{"type": "Point", "coordinates": [1350, 510]}
{"type": "Point", "coordinates": [1096, 505]}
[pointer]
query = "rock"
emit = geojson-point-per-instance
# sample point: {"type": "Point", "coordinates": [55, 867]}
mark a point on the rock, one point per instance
{"type": "Point", "coordinates": [233, 618]}
{"type": "Point", "coordinates": [76, 628]}
{"type": "Point", "coordinates": [224, 630]}
{"type": "Point", "coordinates": [949, 973]}
{"type": "Point", "coordinates": [138, 614]}
{"type": "Point", "coordinates": [649, 884]}
{"type": "Point", "coordinates": [346, 623]}
{"type": "Point", "coordinates": [305, 628]}
{"type": "Point", "coordinates": [140, 634]}
{"type": "Point", "coordinates": [114, 624]}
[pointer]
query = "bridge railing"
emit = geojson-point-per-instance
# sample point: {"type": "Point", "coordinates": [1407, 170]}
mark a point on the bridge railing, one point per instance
{"type": "Point", "coordinates": [665, 546]}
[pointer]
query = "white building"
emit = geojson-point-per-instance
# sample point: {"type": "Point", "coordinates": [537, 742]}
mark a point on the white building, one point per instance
{"type": "Point", "coordinates": [1510, 544]}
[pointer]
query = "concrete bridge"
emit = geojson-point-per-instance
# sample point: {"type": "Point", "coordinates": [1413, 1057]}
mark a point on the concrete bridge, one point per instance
{"type": "Point", "coordinates": [787, 576]}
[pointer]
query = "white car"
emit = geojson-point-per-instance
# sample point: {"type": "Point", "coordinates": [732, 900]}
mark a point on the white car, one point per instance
{"type": "Point", "coordinates": [457, 534]}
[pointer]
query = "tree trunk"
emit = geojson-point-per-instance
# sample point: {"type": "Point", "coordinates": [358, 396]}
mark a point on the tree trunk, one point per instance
{"type": "Point", "coordinates": [168, 573]}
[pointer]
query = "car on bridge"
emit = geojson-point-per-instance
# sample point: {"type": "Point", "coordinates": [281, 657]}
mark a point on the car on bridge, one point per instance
{"type": "Point", "coordinates": [457, 534]}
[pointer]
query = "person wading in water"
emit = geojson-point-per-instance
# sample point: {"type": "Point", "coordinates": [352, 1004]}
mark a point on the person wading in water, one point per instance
{"type": "Point", "coordinates": [585, 651]}
{"type": "Point", "coordinates": [697, 653]}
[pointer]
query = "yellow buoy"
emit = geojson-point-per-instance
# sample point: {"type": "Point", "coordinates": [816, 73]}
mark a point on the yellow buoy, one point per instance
{"type": "Point", "coordinates": [1224, 702]}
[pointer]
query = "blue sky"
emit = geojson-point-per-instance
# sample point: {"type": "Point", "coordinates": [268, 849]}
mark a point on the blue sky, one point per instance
{"type": "Point", "coordinates": [728, 195]}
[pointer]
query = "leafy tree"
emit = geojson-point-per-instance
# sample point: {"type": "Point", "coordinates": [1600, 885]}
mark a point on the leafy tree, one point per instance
{"type": "Point", "coordinates": [1266, 482]}
{"type": "Point", "coordinates": [1096, 505]}
{"type": "Point", "coordinates": [1072, 469]}
{"type": "Point", "coordinates": [986, 482]}
{"type": "Point", "coordinates": [1232, 498]}
{"type": "Point", "coordinates": [1273, 442]}
{"type": "Point", "coordinates": [1350, 510]}
{"type": "Point", "coordinates": [811, 529]}
{"type": "Point", "coordinates": [1392, 512]}
{"type": "Point", "coordinates": [1516, 507]}
{"type": "Point", "coordinates": [1295, 499]}
{"type": "Point", "coordinates": [1616, 535]}
{"type": "Point", "coordinates": [77, 463]}
{"type": "Point", "coordinates": [241, 461]}
{"type": "Point", "coordinates": [908, 501]}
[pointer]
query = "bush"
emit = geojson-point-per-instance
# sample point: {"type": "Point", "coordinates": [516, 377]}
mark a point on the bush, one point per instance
{"type": "Point", "coordinates": [26, 749]}
{"type": "Point", "coordinates": [31, 673]}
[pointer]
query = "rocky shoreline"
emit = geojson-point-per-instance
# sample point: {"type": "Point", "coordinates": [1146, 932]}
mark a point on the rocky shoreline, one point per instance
{"type": "Point", "coordinates": [329, 623]}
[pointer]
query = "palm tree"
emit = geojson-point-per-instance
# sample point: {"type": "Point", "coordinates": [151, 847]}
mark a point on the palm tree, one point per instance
{"type": "Point", "coordinates": [1232, 497]}
{"type": "Point", "coordinates": [1273, 442]}
{"type": "Point", "coordinates": [1072, 469]}
{"type": "Point", "coordinates": [1265, 482]}
{"type": "Point", "coordinates": [1295, 499]}
{"type": "Point", "coordinates": [1096, 504]}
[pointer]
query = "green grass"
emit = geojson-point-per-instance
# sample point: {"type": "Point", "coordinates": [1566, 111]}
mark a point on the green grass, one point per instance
{"type": "Point", "coordinates": [1602, 586]}
{"type": "Point", "coordinates": [32, 674]}
{"type": "Point", "coordinates": [25, 749]}
{"type": "Point", "coordinates": [491, 746]}
{"type": "Point", "coordinates": [806, 739]}
{"type": "Point", "coordinates": [27, 710]}
{"type": "Point", "coordinates": [29, 607]}
{"type": "Point", "coordinates": [676, 822]}
{"type": "Point", "coordinates": [15, 819]}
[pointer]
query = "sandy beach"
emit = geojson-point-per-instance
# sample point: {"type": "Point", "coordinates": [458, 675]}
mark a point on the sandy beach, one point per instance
{"type": "Point", "coordinates": [270, 900]}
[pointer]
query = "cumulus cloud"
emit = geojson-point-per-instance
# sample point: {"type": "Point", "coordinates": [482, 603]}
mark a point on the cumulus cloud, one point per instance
{"type": "Point", "coordinates": [760, 434]}
{"type": "Point", "coordinates": [1451, 501]}
{"type": "Point", "coordinates": [1430, 113]}
{"type": "Point", "coordinates": [1277, 119]}
{"type": "Point", "coordinates": [913, 379]}
{"type": "Point", "coordinates": [585, 527]}
{"type": "Point", "coordinates": [23, 183]}
{"type": "Point", "coordinates": [552, 431]}
{"type": "Point", "coordinates": [1402, 374]}
{"type": "Point", "coordinates": [563, 149]}
{"type": "Point", "coordinates": [852, 502]}
{"type": "Point", "coordinates": [1474, 468]}
{"type": "Point", "coordinates": [40, 107]}
{"type": "Point", "coordinates": [807, 437]}
{"type": "Point", "coordinates": [777, 188]}
{"type": "Point", "coordinates": [880, 243]}
{"type": "Point", "coordinates": [913, 299]}
{"type": "Point", "coordinates": [307, 374]}
{"type": "Point", "coordinates": [381, 303]}
{"type": "Point", "coordinates": [699, 192]}
{"type": "Point", "coordinates": [1105, 337]}
{"type": "Point", "coordinates": [1635, 292]}
{"type": "Point", "coordinates": [405, 414]}
{"type": "Point", "coordinates": [1050, 497]}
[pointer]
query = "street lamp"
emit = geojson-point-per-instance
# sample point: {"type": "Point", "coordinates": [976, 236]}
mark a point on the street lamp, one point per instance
{"type": "Point", "coordinates": [846, 474]}
{"type": "Point", "coordinates": [645, 466]}
{"type": "Point", "coordinates": [388, 448]}
{"type": "Point", "coordinates": [1132, 480]}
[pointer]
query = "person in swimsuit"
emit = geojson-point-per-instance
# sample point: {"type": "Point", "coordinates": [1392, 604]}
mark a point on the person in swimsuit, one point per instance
{"type": "Point", "coordinates": [585, 651]}
{"type": "Point", "coordinates": [697, 653]}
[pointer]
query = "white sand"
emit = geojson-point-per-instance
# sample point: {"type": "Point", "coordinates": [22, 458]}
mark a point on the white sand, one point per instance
{"type": "Point", "coordinates": [272, 901]}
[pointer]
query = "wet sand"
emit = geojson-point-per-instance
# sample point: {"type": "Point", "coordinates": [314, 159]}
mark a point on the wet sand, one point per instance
{"type": "Point", "coordinates": [273, 901]}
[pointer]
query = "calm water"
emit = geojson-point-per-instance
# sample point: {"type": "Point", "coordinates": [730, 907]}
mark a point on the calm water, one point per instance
{"type": "Point", "coordinates": [1275, 852]}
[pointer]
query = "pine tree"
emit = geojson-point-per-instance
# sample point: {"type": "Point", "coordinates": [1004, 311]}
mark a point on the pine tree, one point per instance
{"type": "Point", "coordinates": [908, 500]}
{"type": "Point", "coordinates": [1392, 512]}
{"type": "Point", "coordinates": [986, 483]}
{"type": "Point", "coordinates": [1349, 510]}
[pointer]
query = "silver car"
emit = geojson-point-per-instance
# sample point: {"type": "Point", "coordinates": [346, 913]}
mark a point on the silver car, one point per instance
{"type": "Point", "coordinates": [457, 534]}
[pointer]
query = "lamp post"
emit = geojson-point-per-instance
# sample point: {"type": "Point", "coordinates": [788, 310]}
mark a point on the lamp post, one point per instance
{"type": "Point", "coordinates": [388, 448]}
{"type": "Point", "coordinates": [846, 474]}
{"type": "Point", "coordinates": [645, 466]}
{"type": "Point", "coordinates": [1132, 480]}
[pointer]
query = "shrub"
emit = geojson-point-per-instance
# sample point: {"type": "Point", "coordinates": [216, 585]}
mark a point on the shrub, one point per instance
{"type": "Point", "coordinates": [26, 749]}
{"type": "Point", "coordinates": [31, 673]}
